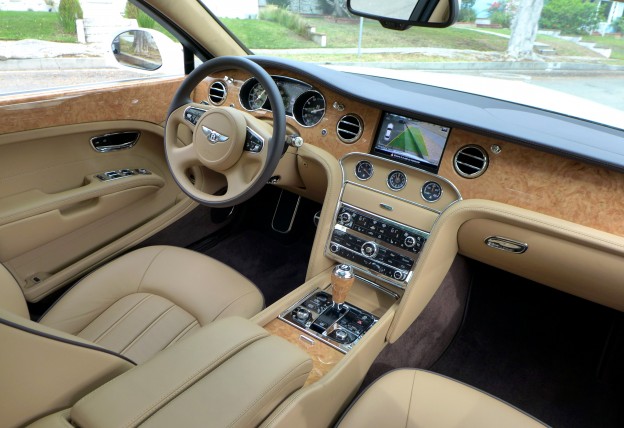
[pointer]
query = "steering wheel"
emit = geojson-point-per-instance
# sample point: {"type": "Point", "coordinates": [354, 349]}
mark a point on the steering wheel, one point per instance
{"type": "Point", "coordinates": [231, 142]}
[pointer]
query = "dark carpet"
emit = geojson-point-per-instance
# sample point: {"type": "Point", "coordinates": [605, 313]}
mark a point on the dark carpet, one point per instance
{"type": "Point", "coordinates": [557, 357]}
{"type": "Point", "coordinates": [274, 266]}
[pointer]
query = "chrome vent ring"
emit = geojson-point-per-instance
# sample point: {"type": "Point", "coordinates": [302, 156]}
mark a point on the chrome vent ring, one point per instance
{"type": "Point", "coordinates": [217, 93]}
{"type": "Point", "coordinates": [470, 161]}
{"type": "Point", "coordinates": [349, 128]}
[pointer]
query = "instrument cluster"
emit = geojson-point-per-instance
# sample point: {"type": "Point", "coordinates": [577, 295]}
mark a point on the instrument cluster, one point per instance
{"type": "Point", "coordinates": [301, 101]}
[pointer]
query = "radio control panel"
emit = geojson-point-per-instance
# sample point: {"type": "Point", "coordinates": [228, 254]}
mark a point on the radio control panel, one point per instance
{"type": "Point", "coordinates": [381, 247]}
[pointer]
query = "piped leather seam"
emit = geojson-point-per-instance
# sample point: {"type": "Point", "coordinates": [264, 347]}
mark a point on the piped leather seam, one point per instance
{"type": "Point", "coordinates": [147, 328]}
{"type": "Point", "coordinates": [191, 380]}
{"type": "Point", "coordinates": [149, 265]}
{"type": "Point", "coordinates": [119, 320]}
{"type": "Point", "coordinates": [232, 303]}
{"type": "Point", "coordinates": [409, 403]}
{"type": "Point", "coordinates": [183, 333]}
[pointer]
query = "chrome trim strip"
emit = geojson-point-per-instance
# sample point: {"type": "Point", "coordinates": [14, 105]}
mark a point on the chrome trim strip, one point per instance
{"type": "Point", "coordinates": [396, 296]}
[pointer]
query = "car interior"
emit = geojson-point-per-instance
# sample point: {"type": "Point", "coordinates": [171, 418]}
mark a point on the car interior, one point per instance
{"type": "Point", "coordinates": [268, 242]}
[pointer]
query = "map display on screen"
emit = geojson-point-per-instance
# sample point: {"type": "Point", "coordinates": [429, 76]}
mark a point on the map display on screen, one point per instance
{"type": "Point", "coordinates": [412, 141]}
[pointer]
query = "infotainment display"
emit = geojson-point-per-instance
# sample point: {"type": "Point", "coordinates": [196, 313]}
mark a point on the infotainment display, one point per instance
{"type": "Point", "coordinates": [411, 141]}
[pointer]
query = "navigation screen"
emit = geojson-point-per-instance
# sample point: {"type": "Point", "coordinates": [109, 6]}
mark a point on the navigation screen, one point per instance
{"type": "Point", "coordinates": [411, 141]}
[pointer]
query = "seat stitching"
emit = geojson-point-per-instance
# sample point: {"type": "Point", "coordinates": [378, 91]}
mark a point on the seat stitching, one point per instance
{"type": "Point", "coordinates": [119, 320]}
{"type": "Point", "coordinates": [147, 328]}
{"type": "Point", "coordinates": [190, 380]}
{"type": "Point", "coordinates": [148, 268]}
{"type": "Point", "coordinates": [183, 333]}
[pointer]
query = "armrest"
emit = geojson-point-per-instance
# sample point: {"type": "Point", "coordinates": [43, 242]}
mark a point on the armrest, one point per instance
{"type": "Point", "coordinates": [230, 373]}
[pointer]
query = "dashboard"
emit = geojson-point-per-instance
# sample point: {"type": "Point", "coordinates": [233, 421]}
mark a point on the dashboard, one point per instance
{"type": "Point", "coordinates": [479, 161]}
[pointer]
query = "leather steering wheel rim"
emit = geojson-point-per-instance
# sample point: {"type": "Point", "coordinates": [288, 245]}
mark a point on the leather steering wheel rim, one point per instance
{"type": "Point", "coordinates": [273, 145]}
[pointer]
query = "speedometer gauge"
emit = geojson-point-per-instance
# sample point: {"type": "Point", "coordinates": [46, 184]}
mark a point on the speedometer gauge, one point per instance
{"type": "Point", "coordinates": [309, 108]}
{"type": "Point", "coordinates": [257, 97]}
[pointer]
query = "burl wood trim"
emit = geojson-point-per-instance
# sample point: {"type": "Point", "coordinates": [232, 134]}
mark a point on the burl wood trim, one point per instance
{"type": "Point", "coordinates": [313, 135]}
{"type": "Point", "coordinates": [323, 356]}
{"type": "Point", "coordinates": [145, 100]}
{"type": "Point", "coordinates": [527, 178]}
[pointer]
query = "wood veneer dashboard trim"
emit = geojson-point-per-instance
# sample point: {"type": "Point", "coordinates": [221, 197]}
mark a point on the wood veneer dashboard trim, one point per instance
{"type": "Point", "coordinates": [145, 100]}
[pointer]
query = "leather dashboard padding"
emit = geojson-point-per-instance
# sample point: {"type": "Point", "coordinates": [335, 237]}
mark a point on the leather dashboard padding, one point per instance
{"type": "Point", "coordinates": [410, 398]}
{"type": "Point", "coordinates": [442, 246]}
{"type": "Point", "coordinates": [578, 268]}
{"type": "Point", "coordinates": [230, 373]}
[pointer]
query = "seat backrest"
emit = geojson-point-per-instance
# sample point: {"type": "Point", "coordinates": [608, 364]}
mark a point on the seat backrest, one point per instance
{"type": "Point", "coordinates": [43, 370]}
{"type": "Point", "coordinates": [11, 297]}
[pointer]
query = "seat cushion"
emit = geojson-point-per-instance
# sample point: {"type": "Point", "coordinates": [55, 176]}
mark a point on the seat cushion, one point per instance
{"type": "Point", "coordinates": [151, 298]}
{"type": "Point", "coordinates": [409, 398]}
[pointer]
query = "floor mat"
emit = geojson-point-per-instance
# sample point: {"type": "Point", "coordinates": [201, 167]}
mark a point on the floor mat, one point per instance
{"type": "Point", "coordinates": [274, 266]}
{"type": "Point", "coordinates": [553, 355]}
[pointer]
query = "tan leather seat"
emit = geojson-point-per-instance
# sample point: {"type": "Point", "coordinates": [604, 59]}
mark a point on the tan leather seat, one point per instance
{"type": "Point", "coordinates": [122, 313]}
{"type": "Point", "coordinates": [410, 398]}
{"type": "Point", "coordinates": [149, 299]}
{"type": "Point", "coordinates": [145, 300]}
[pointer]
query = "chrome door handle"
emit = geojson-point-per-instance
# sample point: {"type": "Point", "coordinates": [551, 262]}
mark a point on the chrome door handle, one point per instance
{"type": "Point", "coordinates": [115, 141]}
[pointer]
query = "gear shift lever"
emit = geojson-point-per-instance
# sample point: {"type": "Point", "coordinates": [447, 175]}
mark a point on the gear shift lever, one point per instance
{"type": "Point", "coordinates": [341, 281]}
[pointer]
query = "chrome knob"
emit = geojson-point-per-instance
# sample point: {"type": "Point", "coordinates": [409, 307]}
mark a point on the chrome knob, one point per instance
{"type": "Point", "coordinates": [341, 334]}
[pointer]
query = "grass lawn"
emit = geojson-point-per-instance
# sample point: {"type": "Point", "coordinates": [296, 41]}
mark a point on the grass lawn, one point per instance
{"type": "Point", "coordinates": [341, 35]}
{"type": "Point", "coordinates": [608, 42]}
{"type": "Point", "coordinates": [257, 34]}
{"type": "Point", "coordinates": [32, 25]}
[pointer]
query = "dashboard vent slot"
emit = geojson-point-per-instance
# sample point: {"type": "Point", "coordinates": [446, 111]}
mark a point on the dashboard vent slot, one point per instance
{"type": "Point", "coordinates": [349, 128]}
{"type": "Point", "coordinates": [217, 93]}
{"type": "Point", "coordinates": [470, 161]}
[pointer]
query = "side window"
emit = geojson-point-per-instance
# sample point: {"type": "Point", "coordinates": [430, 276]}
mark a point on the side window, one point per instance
{"type": "Point", "coordinates": [52, 44]}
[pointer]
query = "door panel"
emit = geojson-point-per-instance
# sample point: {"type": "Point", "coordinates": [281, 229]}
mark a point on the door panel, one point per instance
{"type": "Point", "coordinates": [58, 220]}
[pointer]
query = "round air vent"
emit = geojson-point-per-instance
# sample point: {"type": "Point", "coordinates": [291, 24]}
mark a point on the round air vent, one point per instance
{"type": "Point", "coordinates": [217, 92]}
{"type": "Point", "coordinates": [349, 128]}
{"type": "Point", "coordinates": [470, 161]}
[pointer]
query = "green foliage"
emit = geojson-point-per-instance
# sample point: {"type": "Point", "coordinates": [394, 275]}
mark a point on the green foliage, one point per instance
{"type": "Point", "coordinates": [33, 25]}
{"type": "Point", "coordinates": [466, 12]}
{"type": "Point", "coordinates": [618, 25]}
{"type": "Point", "coordinates": [569, 16]}
{"type": "Point", "coordinates": [279, 3]}
{"type": "Point", "coordinates": [501, 18]}
{"type": "Point", "coordinates": [286, 19]}
{"type": "Point", "coordinates": [133, 12]}
{"type": "Point", "coordinates": [68, 12]}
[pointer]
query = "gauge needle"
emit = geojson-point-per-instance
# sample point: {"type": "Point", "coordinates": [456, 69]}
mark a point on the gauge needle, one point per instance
{"type": "Point", "coordinates": [316, 110]}
{"type": "Point", "coordinates": [260, 95]}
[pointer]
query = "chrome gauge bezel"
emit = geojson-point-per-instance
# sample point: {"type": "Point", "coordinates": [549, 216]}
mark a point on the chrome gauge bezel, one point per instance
{"type": "Point", "coordinates": [422, 191]}
{"type": "Point", "coordinates": [390, 175]}
{"type": "Point", "coordinates": [372, 170]}
{"type": "Point", "coordinates": [301, 100]}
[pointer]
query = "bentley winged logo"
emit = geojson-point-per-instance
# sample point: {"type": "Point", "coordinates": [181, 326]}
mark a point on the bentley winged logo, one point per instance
{"type": "Point", "coordinates": [213, 136]}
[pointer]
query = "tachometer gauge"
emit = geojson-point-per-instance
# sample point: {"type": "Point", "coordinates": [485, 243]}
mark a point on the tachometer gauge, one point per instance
{"type": "Point", "coordinates": [364, 170]}
{"type": "Point", "coordinates": [257, 96]}
{"type": "Point", "coordinates": [309, 108]}
{"type": "Point", "coordinates": [397, 180]}
{"type": "Point", "coordinates": [431, 191]}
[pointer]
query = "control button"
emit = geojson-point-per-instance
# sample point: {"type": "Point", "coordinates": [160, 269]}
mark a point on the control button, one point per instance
{"type": "Point", "coordinates": [409, 242]}
{"type": "Point", "coordinates": [344, 218]}
{"type": "Point", "coordinates": [341, 335]}
{"type": "Point", "coordinates": [302, 314]}
{"type": "Point", "coordinates": [400, 275]}
{"type": "Point", "coordinates": [333, 248]}
{"type": "Point", "coordinates": [369, 249]}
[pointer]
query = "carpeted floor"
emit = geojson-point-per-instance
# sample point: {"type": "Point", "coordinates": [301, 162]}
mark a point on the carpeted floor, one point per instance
{"type": "Point", "coordinates": [274, 266]}
{"type": "Point", "coordinates": [553, 355]}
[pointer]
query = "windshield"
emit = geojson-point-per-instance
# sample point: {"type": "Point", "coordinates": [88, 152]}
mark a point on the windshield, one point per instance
{"type": "Point", "coordinates": [576, 66]}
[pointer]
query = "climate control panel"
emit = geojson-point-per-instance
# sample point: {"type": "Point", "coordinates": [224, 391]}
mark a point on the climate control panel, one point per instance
{"type": "Point", "coordinates": [374, 244]}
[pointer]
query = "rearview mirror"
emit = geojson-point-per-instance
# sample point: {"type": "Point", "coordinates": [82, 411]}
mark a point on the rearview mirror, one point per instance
{"type": "Point", "coordinates": [402, 14]}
